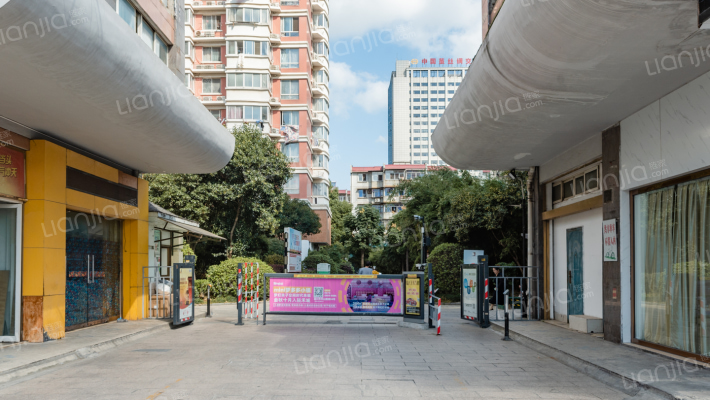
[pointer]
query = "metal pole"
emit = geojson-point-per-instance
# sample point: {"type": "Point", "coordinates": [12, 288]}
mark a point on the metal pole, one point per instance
{"type": "Point", "coordinates": [423, 256]}
{"type": "Point", "coordinates": [257, 293]}
{"type": "Point", "coordinates": [209, 314]}
{"type": "Point", "coordinates": [264, 301]}
{"type": "Point", "coordinates": [507, 322]}
{"type": "Point", "coordinates": [431, 292]}
{"type": "Point", "coordinates": [239, 295]}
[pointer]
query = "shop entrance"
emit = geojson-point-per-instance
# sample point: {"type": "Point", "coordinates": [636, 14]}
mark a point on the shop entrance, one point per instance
{"type": "Point", "coordinates": [93, 270]}
{"type": "Point", "coordinates": [575, 286]}
{"type": "Point", "coordinates": [10, 234]}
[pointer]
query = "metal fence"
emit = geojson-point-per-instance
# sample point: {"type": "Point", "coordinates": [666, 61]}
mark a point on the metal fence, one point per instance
{"type": "Point", "coordinates": [523, 285]}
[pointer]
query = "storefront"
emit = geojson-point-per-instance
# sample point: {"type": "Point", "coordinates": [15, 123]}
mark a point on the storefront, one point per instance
{"type": "Point", "coordinates": [12, 193]}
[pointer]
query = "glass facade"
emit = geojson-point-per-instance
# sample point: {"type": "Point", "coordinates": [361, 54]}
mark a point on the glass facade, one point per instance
{"type": "Point", "coordinates": [672, 266]}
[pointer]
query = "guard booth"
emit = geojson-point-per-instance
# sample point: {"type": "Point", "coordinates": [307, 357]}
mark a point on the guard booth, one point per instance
{"type": "Point", "coordinates": [474, 292]}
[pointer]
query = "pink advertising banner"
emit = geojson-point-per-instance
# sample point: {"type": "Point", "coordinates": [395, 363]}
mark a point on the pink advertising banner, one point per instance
{"type": "Point", "coordinates": [336, 294]}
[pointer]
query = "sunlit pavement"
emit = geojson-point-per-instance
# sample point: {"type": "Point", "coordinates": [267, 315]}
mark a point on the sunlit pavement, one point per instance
{"type": "Point", "coordinates": [313, 357]}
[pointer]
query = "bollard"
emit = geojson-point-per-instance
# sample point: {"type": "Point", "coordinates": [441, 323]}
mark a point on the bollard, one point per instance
{"type": "Point", "coordinates": [239, 297]}
{"type": "Point", "coordinates": [506, 337]}
{"type": "Point", "coordinates": [438, 319]}
{"type": "Point", "coordinates": [257, 293]}
{"type": "Point", "coordinates": [209, 314]}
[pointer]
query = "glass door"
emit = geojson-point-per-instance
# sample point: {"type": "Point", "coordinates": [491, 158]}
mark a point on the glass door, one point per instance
{"type": "Point", "coordinates": [93, 270]}
{"type": "Point", "coordinates": [10, 276]}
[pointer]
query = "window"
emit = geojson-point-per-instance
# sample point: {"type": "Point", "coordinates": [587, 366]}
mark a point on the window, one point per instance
{"type": "Point", "coordinates": [289, 2]}
{"type": "Point", "coordinates": [321, 48]}
{"type": "Point", "coordinates": [249, 47]}
{"type": "Point", "coordinates": [425, 74]}
{"type": "Point", "coordinates": [252, 15]}
{"type": "Point", "coordinates": [289, 58]}
{"type": "Point", "coordinates": [320, 189]}
{"type": "Point", "coordinates": [189, 16]}
{"type": "Point", "coordinates": [211, 22]}
{"type": "Point", "coordinates": [441, 74]}
{"type": "Point", "coordinates": [321, 104]}
{"type": "Point", "coordinates": [320, 132]}
{"type": "Point", "coordinates": [289, 118]}
{"type": "Point", "coordinates": [291, 151]}
{"type": "Point", "coordinates": [322, 76]}
{"type": "Point", "coordinates": [425, 84]}
{"type": "Point", "coordinates": [217, 114]}
{"type": "Point", "coordinates": [256, 113]}
{"type": "Point", "coordinates": [320, 161]}
{"type": "Point", "coordinates": [292, 186]}
{"type": "Point", "coordinates": [417, 92]}
{"type": "Point", "coordinates": [127, 13]}
{"type": "Point", "coordinates": [146, 33]}
{"type": "Point", "coordinates": [362, 193]}
{"type": "Point", "coordinates": [320, 20]}
{"type": "Point", "coordinates": [212, 86]}
{"type": "Point", "coordinates": [578, 185]}
{"type": "Point", "coordinates": [377, 192]}
{"type": "Point", "coordinates": [459, 73]}
{"type": "Point", "coordinates": [211, 54]}
{"type": "Point", "coordinates": [416, 84]}
{"type": "Point", "coordinates": [289, 89]}
{"type": "Point", "coordinates": [189, 49]}
{"type": "Point", "coordinates": [416, 146]}
{"type": "Point", "coordinates": [417, 154]}
{"type": "Point", "coordinates": [289, 26]}
{"type": "Point", "coordinates": [556, 193]}
{"type": "Point", "coordinates": [188, 81]}
{"type": "Point", "coordinates": [252, 81]}
{"type": "Point", "coordinates": [415, 74]}
{"type": "Point", "coordinates": [450, 72]}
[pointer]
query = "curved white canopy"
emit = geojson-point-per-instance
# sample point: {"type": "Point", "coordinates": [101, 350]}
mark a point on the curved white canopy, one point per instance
{"type": "Point", "coordinates": [75, 71]}
{"type": "Point", "coordinates": [552, 74]}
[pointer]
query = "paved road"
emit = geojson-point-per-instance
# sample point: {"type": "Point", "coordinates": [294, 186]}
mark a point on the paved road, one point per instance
{"type": "Point", "coordinates": [313, 357]}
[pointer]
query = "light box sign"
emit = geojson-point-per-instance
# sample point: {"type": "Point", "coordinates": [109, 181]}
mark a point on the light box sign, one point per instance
{"type": "Point", "coordinates": [336, 294]}
{"type": "Point", "coordinates": [184, 294]}
{"type": "Point", "coordinates": [12, 172]}
{"type": "Point", "coordinates": [470, 296]}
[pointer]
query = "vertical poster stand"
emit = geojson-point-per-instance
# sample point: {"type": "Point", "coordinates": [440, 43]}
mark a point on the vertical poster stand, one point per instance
{"type": "Point", "coordinates": [413, 304]}
{"type": "Point", "coordinates": [474, 292]}
{"type": "Point", "coordinates": [183, 294]}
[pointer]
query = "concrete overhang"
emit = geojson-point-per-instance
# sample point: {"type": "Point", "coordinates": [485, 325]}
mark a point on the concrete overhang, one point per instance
{"type": "Point", "coordinates": [73, 70]}
{"type": "Point", "coordinates": [552, 74]}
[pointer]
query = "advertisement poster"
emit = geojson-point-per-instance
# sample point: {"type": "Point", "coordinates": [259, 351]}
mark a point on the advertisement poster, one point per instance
{"type": "Point", "coordinates": [12, 172]}
{"type": "Point", "coordinates": [412, 295]}
{"type": "Point", "coordinates": [294, 240]}
{"type": "Point", "coordinates": [610, 244]}
{"type": "Point", "coordinates": [470, 297]}
{"type": "Point", "coordinates": [294, 262]}
{"type": "Point", "coordinates": [186, 297]}
{"type": "Point", "coordinates": [339, 294]}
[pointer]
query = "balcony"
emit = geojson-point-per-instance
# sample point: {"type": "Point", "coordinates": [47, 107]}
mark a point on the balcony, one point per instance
{"type": "Point", "coordinates": [320, 174]}
{"type": "Point", "coordinates": [320, 118]}
{"type": "Point", "coordinates": [275, 38]}
{"type": "Point", "coordinates": [320, 33]}
{"type": "Point", "coordinates": [212, 100]}
{"type": "Point", "coordinates": [211, 36]}
{"type": "Point", "coordinates": [275, 134]}
{"type": "Point", "coordinates": [275, 7]}
{"type": "Point", "coordinates": [320, 146]}
{"type": "Point", "coordinates": [318, 60]}
{"type": "Point", "coordinates": [320, 6]}
{"type": "Point", "coordinates": [320, 201]}
{"type": "Point", "coordinates": [208, 5]}
{"type": "Point", "coordinates": [275, 102]}
{"type": "Point", "coordinates": [320, 89]}
{"type": "Point", "coordinates": [209, 68]}
{"type": "Point", "coordinates": [275, 69]}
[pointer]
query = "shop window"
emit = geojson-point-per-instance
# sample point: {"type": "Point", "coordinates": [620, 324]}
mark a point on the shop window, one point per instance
{"type": "Point", "coordinates": [671, 238]}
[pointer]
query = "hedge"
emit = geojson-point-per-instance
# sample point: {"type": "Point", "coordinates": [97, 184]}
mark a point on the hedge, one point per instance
{"type": "Point", "coordinates": [446, 260]}
{"type": "Point", "coordinates": [223, 277]}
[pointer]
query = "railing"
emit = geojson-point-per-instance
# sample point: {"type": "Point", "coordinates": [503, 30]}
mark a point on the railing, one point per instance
{"type": "Point", "coordinates": [209, 66]}
{"type": "Point", "coordinates": [320, 200]}
{"type": "Point", "coordinates": [159, 280]}
{"type": "Point", "coordinates": [520, 293]}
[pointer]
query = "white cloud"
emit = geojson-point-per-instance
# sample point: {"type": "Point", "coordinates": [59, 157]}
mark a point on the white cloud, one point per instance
{"type": "Point", "coordinates": [433, 28]}
{"type": "Point", "coordinates": [381, 139]}
{"type": "Point", "coordinates": [359, 88]}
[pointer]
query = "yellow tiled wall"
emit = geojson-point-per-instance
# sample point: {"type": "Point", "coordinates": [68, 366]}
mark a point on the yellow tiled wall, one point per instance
{"type": "Point", "coordinates": [44, 237]}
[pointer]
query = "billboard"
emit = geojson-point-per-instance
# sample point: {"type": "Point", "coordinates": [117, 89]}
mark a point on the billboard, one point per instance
{"type": "Point", "coordinates": [471, 256]}
{"type": "Point", "coordinates": [412, 295]}
{"type": "Point", "coordinates": [470, 295]}
{"type": "Point", "coordinates": [336, 294]}
{"type": "Point", "coordinates": [184, 294]}
{"type": "Point", "coordinates": [293, 250]}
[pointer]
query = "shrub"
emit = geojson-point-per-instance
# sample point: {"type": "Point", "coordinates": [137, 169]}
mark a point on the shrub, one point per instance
{"type": "Point", "coordinates": [310, 263]}
{"type": "Point", "coordinates": [272, 259]}
{"type": "Point", "coordinates": [201, 288]}
{"type": "Point", "coordinates": [278, 268]}
{"type": "Point", "coordinates": [223, 277]}
{"type": "Point", "coordinates": [446, 260]}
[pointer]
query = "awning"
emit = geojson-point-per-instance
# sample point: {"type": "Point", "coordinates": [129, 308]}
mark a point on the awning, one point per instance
{"type": "Point", "coordinates": [552, 74]}
{"type": "Point", "coordinates": [194, 231]}
{"type": "Point", "coordinates": [73, 70]}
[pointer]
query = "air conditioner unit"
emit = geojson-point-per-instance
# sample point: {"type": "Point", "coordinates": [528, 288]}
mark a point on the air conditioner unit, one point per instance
{"type": "Point", "coordinates": [274, 100]}
{"type": "Point", "coordinates": [220, 98]}
{"type": "Point", "coordinates": [206, 98]}
{"type": "Point", "coordinates": [210, 3]}
{"type": "Point", "coordinates": [274, 67]}
{"type": "Point", "coordinates": [274, 131]}
{"type": "Point", "coordinates": [196, 3]}
{"type": "Point", "coordinates": [198, 33]}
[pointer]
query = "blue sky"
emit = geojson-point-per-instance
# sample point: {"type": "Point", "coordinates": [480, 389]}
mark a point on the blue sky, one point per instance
{"type": "Point", "coordinates": [360, 73]}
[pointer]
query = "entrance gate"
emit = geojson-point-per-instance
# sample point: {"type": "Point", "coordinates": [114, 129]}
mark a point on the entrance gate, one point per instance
{"type": "Point", "coordinates": [93, 265]}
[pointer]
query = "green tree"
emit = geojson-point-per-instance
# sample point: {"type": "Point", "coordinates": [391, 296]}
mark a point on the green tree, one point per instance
{"type": "Point", "coordinates": [365, 231]}
{"type": "Point", "coordinates": [446, 260]}
{"type": "Point", "coordinates": [340, 211]}
{"type": "Point", "coordinates": [240, 202]}
{"type": "Point", "coordinates": [297, 214]}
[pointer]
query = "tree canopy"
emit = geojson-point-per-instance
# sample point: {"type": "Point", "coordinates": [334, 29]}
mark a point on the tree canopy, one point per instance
{"type": "Point", "coordinates": [297, 214]}
{"type": "Point", "coordinates": [340, 210]}
{"type": "Point", "coordinates": [365, 231]}
{"type": "Point", "coordinates": [240, 202]}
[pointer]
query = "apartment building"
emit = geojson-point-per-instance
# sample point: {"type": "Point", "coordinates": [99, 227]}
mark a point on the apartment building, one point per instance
{"type": "Point", "coordinates": [374, 186]}
{"type": "Point", "coordinates": [419, 92]}
{"type": "Point", "coordinates": [344, 195]}
{"type": "Point", "coordinates": [266, 63]}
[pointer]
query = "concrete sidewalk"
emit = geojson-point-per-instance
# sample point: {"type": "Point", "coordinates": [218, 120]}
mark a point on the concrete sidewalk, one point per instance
{"type": "Point", "coordinates": [21, 359]}
{"type": "Point", "coordinates": [622, 367]}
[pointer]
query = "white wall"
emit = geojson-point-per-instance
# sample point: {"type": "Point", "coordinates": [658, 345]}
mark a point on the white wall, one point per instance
{"type": "Point", "coordinates": [667, 139]}
{"type": "Point", "coordinates": [572, 159]}
{"type": "Point", "coordinates": [591, 224]}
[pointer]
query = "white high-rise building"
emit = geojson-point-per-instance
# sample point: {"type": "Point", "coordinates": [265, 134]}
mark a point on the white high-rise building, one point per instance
{"type": "Point", "coordinates": [418, 95]}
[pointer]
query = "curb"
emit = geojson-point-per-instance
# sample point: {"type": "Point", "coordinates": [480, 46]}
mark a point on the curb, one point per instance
{"type": "Point", "coordinates": [606, 376]}
{"type": "Point", "coordinates": [80, 353]}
